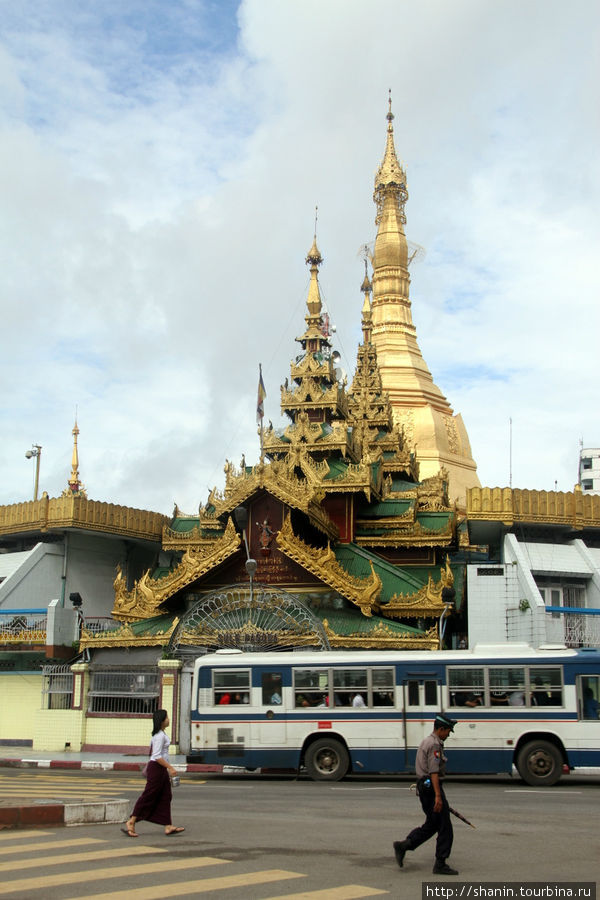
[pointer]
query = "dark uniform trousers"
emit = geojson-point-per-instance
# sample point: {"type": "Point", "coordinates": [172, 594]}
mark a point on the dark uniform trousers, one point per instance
{"type": "Point", "coordinates": [434, 822]}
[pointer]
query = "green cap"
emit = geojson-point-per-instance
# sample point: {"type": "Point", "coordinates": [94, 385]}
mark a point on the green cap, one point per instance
{"type": "Point", "coordinates": [442, 721]}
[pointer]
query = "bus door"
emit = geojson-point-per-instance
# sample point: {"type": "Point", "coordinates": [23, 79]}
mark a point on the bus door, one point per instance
{"type": "Point", "coordinates": [421, 700]}
{"type": "Point", "coordinates": [269, 727]}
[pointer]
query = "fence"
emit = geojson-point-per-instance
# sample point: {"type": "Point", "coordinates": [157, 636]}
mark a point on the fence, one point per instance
{"type": "Point", "coordinates": [23, 626]}
{"type": "Point", "coordinates": [124, 691]}
{"type": "Point", "coordinates": [57, 687]}
{"type": "Point", "coordinates": [581, 626]}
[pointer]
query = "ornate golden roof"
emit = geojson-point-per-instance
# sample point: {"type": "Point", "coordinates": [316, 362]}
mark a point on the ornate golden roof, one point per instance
{"type": "Point", "coordinates": [144, 599]}
{"type": "Point", "coordinates": [362, 592]}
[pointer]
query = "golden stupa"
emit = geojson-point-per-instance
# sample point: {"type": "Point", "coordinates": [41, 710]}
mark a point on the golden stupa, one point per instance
{"type": "Point", "coordinates": [438, 435]}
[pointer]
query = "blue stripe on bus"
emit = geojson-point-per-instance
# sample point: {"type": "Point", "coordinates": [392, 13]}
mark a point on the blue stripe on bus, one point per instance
{"type": "Point", "coordinates": [260, 718]}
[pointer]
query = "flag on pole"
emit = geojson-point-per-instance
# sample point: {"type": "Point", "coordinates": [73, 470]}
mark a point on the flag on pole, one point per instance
{"type": "Point", "coordinates": [260, 402]}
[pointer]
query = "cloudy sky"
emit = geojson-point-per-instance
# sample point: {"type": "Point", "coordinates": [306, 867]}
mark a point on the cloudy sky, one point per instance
{"type": "Point", "coordinates": [160, 164]}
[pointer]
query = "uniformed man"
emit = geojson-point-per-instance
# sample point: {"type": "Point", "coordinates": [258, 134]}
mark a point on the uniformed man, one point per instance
{"type": "Point", "coordinates": [431, 769]}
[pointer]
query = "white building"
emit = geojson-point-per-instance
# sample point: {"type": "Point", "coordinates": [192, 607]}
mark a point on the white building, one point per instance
{"type": "Point", "coordinates": [541, 593]}
{"type": "Point", "coordinates": [589, 470]}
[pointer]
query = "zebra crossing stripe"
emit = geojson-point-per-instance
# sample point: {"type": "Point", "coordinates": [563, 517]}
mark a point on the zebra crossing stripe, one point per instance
{"type": "Point", "coordinates": [46, 881]}
{"type": "Point", "coordinates": [192, 888]}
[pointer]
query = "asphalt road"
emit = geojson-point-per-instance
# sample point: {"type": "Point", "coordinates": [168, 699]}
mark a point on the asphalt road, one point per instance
{"type": "Point", "coordinates": [259, 837]}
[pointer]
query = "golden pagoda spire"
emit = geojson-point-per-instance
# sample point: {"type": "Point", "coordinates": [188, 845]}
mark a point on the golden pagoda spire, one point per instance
{"type": "Point", "coordinates": [74, 485]}
{"type": "Point", "coordinates": [419, 407]}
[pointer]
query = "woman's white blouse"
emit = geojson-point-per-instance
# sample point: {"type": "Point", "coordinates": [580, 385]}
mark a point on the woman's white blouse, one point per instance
{"type": "Point", "coordinates": [159, 746]}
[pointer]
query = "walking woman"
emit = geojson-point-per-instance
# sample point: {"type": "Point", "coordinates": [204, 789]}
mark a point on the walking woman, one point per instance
{"type": "Point", "coordinates": [154, 804]}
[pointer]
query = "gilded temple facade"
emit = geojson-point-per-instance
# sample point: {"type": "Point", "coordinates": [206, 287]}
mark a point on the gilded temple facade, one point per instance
{"type": "Point", "coordinates": [438, 434]}
{"type": "Point", "coordinates": [335, 515]}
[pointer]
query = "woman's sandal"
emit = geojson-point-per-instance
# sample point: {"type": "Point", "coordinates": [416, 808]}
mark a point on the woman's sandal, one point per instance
{"type": "Point", "coordinates": [129, 832]}
{"type": "Point", "coordinates": [177, 830]}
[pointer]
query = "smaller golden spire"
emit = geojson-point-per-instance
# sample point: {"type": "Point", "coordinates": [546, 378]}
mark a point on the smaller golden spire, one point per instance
{"type": "Point", "coordinates": [314, 260]}
{"type": "Point", "coordinates": [367, 318]}
{"type": "Point", "coordinates": [74, 485]}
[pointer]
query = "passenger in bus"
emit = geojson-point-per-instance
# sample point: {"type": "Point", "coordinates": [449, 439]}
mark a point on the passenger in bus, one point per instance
{"type": "Point", "coordinates": [358, 700]}
{"type": "Point", "coordinates": [591, 707]}
{"type": "Point", "coordinates": [467, 698]}
{"type": "Point", "coordinates": [431, 770]}
{"type": "Point", "coordinates": [276, 698]}
{"type": "Point", "coordinates": [541, 695]}
{"type": "Point", "coordinates": [516, 698]}
{"type": "Point", "coordinates": [499, 698]}
{"type": "Point", "coordinates": [225, 698]}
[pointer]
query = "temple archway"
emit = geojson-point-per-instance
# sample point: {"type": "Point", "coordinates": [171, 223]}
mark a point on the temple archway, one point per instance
{"type": "Point", "coordinates": [257, 619]}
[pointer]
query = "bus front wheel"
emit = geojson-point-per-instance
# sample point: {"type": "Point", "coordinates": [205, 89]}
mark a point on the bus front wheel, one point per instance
{"type": "Point", "coordinates": [540, 762]}
{"type": "Point", "coordinates": [326, 760]}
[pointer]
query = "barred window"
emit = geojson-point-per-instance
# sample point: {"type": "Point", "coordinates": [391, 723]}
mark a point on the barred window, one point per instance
{"type": "Point", "coordinates": [57, 687]}
{"type": "Point", "coordinates": [127, 691]}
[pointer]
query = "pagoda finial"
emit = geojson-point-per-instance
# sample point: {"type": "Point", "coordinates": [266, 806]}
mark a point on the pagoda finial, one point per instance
{"type": "Point", "coordinates": [391, 177]}
{"type": "Point", "coordinates": [313, 257]}
{"type": "Point", "coordinates": [74, 485]}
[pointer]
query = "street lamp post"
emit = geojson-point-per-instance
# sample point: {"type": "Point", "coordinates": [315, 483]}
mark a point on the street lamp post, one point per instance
{"type": "Point", "coordinates": [36, 451]}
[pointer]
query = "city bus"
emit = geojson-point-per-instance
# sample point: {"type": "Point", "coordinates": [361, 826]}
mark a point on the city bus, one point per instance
{"type": "Point", "coordinates": [331, 714]}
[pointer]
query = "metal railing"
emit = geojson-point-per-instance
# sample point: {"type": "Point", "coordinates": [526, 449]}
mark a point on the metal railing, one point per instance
{"type": "Point", "coordinates": [57, 687]}
{"type": "Point", "coordinates": [124, 691]}
{"type": "Point", "coordinates": [99, 624]}
{"type": "Point", "coordinates": [580, 626]}
{"type": "Point", "coordinates": [23, 626]}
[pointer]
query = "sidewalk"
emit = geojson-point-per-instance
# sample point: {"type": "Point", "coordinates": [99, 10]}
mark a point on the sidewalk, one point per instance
{"type": "Point", "coordinates": [52, 812]}
{"type": "Point", "coordinates": [26, 758]}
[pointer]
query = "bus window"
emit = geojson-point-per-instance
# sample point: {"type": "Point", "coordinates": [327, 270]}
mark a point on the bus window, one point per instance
{"type": "Point", "coordinates": [507, 685]}
{"type": "Point", "coordinates": [350, 687]}
{"type": "Point", "coordinates": [588, 696]}
{"type": "Point", "coordinates": [466, 686]}
{"type": "Point", "coordinates": [271, 684]}
{"type": "Point", "coordinates": [546, 686]}
{"type": "Point", "coordinates": [382, 682]}
{"type": "Point", "coordinates": [231, 686]}
{"type": "Point", "coordinates": [431, 693]}
{"type": "Point", "coordinates": [413, 694]}
{"type": "Point", "coordinates": [311, 687]}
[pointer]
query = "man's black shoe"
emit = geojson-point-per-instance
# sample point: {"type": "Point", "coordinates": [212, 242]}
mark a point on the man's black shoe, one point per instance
{"type": "Point", "coordinates": [400, 848]}
{"type": "Point", "coordinates": [441, 868]}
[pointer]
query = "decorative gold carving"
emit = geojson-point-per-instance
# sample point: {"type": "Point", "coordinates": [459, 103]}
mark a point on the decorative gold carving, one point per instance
{"type": "Point", "coordinates": [125, 637]}
{"type": "Point", "coordinates": [312, 394]}
{"type": "Point", "coordinates": [433, 492]}
{"type": "Point", "coordinates": [247, 634]}
{"type": "Point", "coordinates": [415, 535]}
{"type": "Point", "coordinates": [275, 477]}
{"type": "Point", "coordinates": [405, 420]}
{"type": "Point", "coordinates": [452, 435]}
{"type": "Point", "coordinates": [309, 365]}
{"type": "Point", "coordinates": [58, 513]}
{"type": "Point", "coordinates": [144, 599]}
{"type": "Point", "coordinates": [383, 638]}
{"type": "Point", "coordinates": [548, 507]}
{"type": "Point", "coordinates": [426, 602]}
{"type": "Point", "coordinates": [363, 592]}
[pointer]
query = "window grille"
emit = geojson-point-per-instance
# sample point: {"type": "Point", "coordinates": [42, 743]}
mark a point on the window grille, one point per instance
{"type": "Point", "coordinates": [124, 691]}
{"type": "Point", "coordinates": [57, 687]}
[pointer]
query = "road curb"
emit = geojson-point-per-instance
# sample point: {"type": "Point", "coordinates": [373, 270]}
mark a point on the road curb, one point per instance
{"type": "Point", "coordinates": [50, 813]}
{"type": "Point", "coordinates": [104, 766]}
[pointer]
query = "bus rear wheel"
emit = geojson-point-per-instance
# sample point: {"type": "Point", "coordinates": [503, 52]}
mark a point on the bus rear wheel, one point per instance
{"type": "Point", "coordinates": [326, 760]}
{"type": "Point", "coordinates": [539, 762]}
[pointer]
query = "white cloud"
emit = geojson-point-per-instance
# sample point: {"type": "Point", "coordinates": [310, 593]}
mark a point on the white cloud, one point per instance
{"type": "Point", "coordinates": [159, 169]}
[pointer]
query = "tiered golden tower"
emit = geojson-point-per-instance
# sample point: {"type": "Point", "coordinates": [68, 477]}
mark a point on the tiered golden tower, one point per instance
{"type": "Point", "coordinates": [419, 407]}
